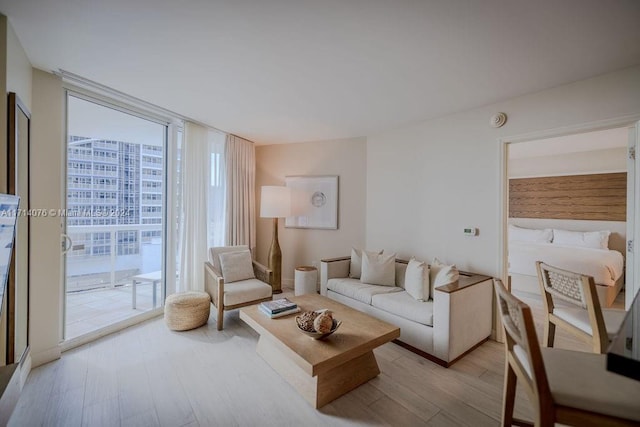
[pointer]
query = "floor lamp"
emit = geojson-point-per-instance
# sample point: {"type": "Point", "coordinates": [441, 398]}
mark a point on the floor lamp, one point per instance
{"type": "Point", "coordinates": [275, 202]}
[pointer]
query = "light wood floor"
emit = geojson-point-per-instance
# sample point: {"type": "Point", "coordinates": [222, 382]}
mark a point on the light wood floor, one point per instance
{"type": "Point", "coordinates": [147, 375]}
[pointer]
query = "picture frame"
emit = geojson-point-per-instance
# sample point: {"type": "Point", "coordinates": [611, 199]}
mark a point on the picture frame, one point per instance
{"type": "Point", "coordinates": [314, 201]}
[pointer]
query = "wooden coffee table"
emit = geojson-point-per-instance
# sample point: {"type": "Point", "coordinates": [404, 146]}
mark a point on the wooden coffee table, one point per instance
{"type": "Point", "coordinates": [321, 370]}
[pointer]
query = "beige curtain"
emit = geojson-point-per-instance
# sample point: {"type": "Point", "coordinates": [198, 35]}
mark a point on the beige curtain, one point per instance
{"type": "Point", "coordinates": [193, 224]}
{"type": "Point", "coordinates": [240, 218]}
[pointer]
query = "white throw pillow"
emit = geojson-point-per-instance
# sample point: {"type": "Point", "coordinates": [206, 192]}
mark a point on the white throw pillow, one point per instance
{"type": "Point", "coordinates": [441, 274]}
{"type": "Point", "coordinates": [530, 235]}
{"type": "Point", "coordinates": [416, 280]}
{"type": "Point", "coordinates": [582, 239]}
{"type": "Point", "coordinates": [355, 268]}
{"type": "Point", "coordinates": [378, 269]}
{"type": "Point", "coordinates": [236, 266]}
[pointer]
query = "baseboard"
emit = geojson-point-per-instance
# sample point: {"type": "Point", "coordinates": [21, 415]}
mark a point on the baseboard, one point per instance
{"type": "Point", "coordinates": [434, 359]}
{"type": "Point", "coordinates": [25, 368]}
{"type": "Point", "coordinates": [45, 356]}
{"type": "Point", "coordinates": [288, 283]}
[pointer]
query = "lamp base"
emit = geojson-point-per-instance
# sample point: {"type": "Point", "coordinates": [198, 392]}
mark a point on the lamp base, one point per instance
{"type": "Point", "coordinates": [275, 260]}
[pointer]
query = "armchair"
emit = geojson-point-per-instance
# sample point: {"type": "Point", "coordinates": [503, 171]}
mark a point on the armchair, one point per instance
{"type": "Point", "coordinates": [227, 295]}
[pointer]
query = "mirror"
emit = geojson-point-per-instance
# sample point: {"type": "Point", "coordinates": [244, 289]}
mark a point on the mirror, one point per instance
{"type": "Point", "coordinates": [19, 135]}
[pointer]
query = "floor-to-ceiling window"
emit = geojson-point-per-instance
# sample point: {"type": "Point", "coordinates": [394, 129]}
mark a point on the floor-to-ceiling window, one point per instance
{"type": "Point", "coordinates": [115, 215]}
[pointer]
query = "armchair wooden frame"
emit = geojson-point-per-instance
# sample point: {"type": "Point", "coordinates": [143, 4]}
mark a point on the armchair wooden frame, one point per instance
{"type": "Point", "coordinates": [524, 361]}
{"type": "Point", "coordinates": [214, 286]}
{"type": "Point", "coordinates": [577, 289]}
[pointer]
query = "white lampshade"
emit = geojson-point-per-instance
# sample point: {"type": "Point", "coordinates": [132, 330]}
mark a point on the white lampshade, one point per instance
{"type": "Point", "coordinates": [275, 202]}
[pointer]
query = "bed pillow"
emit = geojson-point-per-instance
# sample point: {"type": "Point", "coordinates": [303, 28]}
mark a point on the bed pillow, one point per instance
{"type": "Point", "coordinates": [355, 268]}
{"type": "Point", "coordinates": [416, 280]}
{"type": "Point", "coordinates": [530, 235]}
{"type": "Point", "coordinates": [441, 274]}
{"type": "Point", "coordinates": [582, 239]}
{"type": "Point", "coordinates": [236, 266]}
{"type": "Point", "coordinates": [378, 269]}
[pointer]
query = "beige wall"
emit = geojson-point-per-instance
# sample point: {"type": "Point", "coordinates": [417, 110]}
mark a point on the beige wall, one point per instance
{"type": "Point", "coordinates": [4, 23]}
{"type": "Point", "coordinates": [345, 158]}
{"type": "Point", "coordinates": [596, 161]}
{"type": "Point", "coordinates": [46, 192]}
{"type": "Point", "coordinates": [428, 181]}
{"type": "Point", "coordinates": [18, 68]}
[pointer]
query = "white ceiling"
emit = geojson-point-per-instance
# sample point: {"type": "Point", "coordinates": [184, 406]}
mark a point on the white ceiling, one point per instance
{"type": "Point", "coordinates": [277, 71]}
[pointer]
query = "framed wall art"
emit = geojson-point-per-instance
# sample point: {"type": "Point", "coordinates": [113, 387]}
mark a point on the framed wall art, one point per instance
{"type": "Point", "coordinates": [314, 202]}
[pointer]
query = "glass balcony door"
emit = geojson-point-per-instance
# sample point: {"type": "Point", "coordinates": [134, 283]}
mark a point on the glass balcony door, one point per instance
{"type": "Point", "coordinates": [115, 216]}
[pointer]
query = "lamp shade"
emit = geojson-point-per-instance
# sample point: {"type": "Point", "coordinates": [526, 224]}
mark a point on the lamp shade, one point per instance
{"type": "Point", "coordinates": [275, 202]}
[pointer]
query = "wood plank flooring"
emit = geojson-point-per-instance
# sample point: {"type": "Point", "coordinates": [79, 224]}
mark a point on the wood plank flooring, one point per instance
{"type": "Point", "coordinates": [147, 375]}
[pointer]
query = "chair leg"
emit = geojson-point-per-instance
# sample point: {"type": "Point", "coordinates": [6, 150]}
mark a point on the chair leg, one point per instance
{"type": "Point", "coordinates": [549, 334]}
{"type": "Point", "coordinates": [220, 319]}
{"type": "Point", "coordinates": [509, 395]}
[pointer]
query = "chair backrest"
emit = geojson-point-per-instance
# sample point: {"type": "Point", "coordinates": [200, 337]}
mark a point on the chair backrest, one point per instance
{"type": "Point", "coordinates": [214, 254]}
{"type": "Point", "coordinates": [563, 284]}
{"type": "Point", "coordinates": [521, 342]}
{"type": "Point", "coordinates": [578, 289]}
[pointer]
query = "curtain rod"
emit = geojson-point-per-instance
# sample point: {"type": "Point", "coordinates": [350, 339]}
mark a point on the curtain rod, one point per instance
{"type": "Point", "coordinates": [95, 86]}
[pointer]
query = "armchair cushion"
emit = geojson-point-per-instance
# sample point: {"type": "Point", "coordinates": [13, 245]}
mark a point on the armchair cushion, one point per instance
{"type": "Point", "coordinates": [236, 266]}
{"type": "Point", "coordinates": [244, 291]}
{"type": "Point", "coordinates": [214, 253]}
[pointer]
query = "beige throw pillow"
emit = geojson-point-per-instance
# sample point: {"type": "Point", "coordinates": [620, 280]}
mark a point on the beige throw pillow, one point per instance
{"type": "Point", "coordinates": [355, 267]}
{"type": "Point", "coordinates": [441, 274]}
{"type": "Point", "coordinates": [416, 280]}
{"type": "Point", "coordinates": [378, 269]}
{"type": "Point", "coordinates": [236, 266]}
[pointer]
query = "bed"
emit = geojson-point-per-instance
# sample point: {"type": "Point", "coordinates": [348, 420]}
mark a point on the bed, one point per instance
{"type": "Point", "coordinates": [567, 251]}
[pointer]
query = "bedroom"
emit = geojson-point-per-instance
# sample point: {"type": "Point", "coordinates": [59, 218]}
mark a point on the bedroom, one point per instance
{"type": "Point", "coordinates": [568, 208]}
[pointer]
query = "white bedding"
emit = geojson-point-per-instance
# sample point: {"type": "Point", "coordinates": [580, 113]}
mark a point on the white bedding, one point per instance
{"type": "Point", "coordinates": [605, 265]}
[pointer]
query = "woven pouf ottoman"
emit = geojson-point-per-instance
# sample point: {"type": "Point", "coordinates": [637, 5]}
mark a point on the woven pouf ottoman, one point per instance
{"type": "Point", "coordinates": [186, 310]}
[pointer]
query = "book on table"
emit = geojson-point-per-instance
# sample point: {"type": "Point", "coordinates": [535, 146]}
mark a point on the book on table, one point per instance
{"type": "Point", "coordinates": [281, 313]}
{"type": "Point", "coordinates": [277, 306]}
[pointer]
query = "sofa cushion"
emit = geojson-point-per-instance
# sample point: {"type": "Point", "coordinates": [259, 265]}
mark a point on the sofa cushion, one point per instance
{"type": "Point", "coordinates": [416, 281]}
{"type": "Point", "coordinates": [401, 271]}
{"type": "Point", "coordinates": [357, 290]}
{"type": "Point", "coordinates": [404, 305]}
{"type": "Point", "coordinates": [441, 274]}
{"type": "Point", "coordinates": [245, 290]}
{"type": "Point", "coordinates": [378, 269]}
{"type": "Point", "coordinates": [355, 268]}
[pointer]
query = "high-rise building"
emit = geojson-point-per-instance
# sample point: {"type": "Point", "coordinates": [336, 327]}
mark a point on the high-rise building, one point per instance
{"type": "Point", "coordinates": [113, 183]}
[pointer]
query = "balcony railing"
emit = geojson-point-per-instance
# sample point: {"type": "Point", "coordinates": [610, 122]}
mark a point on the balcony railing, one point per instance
{"type": "Point", "coordinates": [87, 270]}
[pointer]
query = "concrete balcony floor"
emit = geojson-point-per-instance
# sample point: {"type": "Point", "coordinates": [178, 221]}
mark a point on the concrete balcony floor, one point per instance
{"type": "Point", "coordinates": [89, 310]}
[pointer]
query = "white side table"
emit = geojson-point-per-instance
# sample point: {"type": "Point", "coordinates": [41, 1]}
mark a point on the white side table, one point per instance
{"type": "Point", "coordinates": [153, 277]}
{"type": "Point", "coordinates": [305, 280]}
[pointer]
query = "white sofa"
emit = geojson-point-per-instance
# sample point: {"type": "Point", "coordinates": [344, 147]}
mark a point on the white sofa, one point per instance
{"type": "Point", "coordinates": [443, 329]}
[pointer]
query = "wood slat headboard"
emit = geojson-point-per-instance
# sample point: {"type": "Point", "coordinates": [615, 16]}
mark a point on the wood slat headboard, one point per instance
{"type": "Point", "coordinates": [591, 197]}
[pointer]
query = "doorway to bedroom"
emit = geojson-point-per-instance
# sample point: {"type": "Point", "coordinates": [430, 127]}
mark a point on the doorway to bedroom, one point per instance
{"type": "Point", "coordinates": [567, 205]}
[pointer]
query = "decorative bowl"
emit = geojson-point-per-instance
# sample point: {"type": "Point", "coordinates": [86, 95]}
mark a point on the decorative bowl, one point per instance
{"type": "Point", "coordinates": [318, 335]}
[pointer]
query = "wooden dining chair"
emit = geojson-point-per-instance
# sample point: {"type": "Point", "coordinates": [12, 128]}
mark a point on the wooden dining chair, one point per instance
{"type": "Point", "coordinates": [567, 387]}
{"type": "Point", "coordinates": [583, 316]}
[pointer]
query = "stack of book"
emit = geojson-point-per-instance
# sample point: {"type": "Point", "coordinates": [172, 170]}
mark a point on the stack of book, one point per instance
{"type": "Point", "coordinates": [279, 308]}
